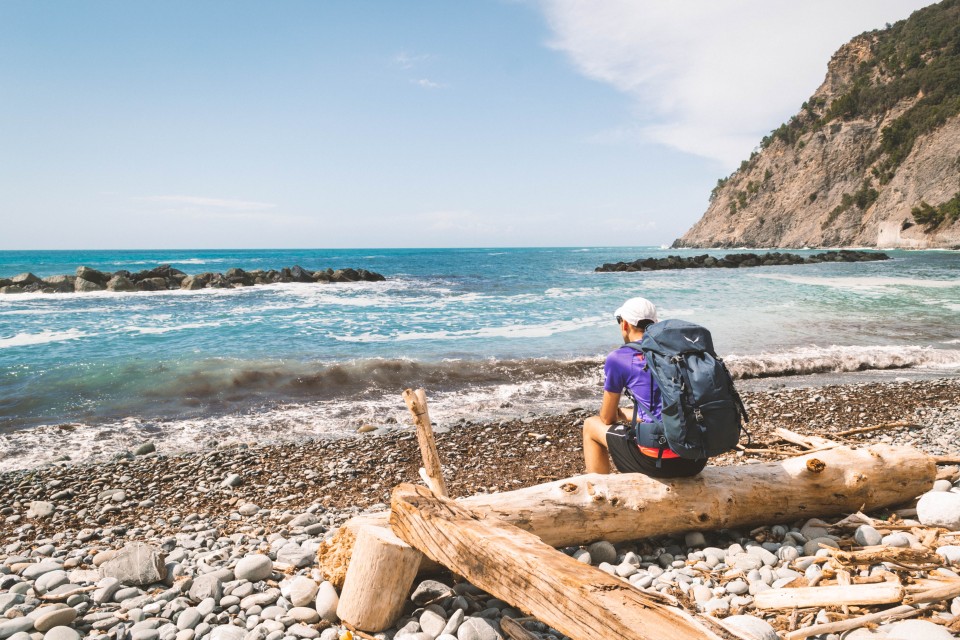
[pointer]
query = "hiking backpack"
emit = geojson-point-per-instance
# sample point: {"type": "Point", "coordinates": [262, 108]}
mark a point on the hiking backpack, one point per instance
{"type": "Point", "coordinates": [700, 408]}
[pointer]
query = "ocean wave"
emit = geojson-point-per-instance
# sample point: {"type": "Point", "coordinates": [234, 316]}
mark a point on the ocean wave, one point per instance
{"type": "Point", "coordinates": [861, 283]}
{"type": "Point", "coordinates": [840, 359]}
{"type": "Point", "coordinates": [44, 337]}
{"type": "Point", "coordinates": [506, 331]}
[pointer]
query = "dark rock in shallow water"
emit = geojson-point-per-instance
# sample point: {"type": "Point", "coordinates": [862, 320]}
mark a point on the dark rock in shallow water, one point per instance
{"type": "Point", "coordinates": [120, 283]}
{"type": "Point", "coordinates": [164, 277]}
{"type": "Point", "coordinates": [92, 275]}
{"type": "Point", "coordinates": [81, 285]}
{"type": "Point", "coordinates": [24, 279]}
{"type": "Point", "coordinates": [737, 260]}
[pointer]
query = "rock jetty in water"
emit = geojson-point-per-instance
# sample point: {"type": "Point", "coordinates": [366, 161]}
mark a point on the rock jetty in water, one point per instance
{"type": "Point", "coordinates": [737, 260]}
{"type": "Point", "coordinates": [165, 277]}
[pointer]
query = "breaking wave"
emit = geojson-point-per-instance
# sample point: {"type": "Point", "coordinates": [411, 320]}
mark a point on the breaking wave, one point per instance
{"type": "Point", "coordinates": [840, 359]}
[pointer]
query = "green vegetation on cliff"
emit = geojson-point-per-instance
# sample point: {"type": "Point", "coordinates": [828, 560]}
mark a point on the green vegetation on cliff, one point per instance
{"type": "Point", "coordinates": [932, 217]}
{"type": "Point", "coordinates": [915, 58]}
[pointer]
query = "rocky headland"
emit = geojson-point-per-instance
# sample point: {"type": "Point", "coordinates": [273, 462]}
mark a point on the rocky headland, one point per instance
{"type": "Point", "coordinates": [872, 159]}
{"type": "Point", "coordinates": [164, 277]}
{"type": "Point", "coordinates": [222, 543]}
{"type": "Point", "coordinates": [737, 260]}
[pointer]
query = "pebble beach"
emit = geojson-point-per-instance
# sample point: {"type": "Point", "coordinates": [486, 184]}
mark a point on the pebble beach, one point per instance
{"type": "Point", "coordinates": [222, 542]}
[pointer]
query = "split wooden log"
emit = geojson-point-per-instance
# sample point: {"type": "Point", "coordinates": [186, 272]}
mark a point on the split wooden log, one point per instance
{"type": "Point", "coordinates": [376, 585]}
{"type": "Point", "coordinates": [835, 596]}
{"type": "Point", "coordinates": [517, 567]}
{"type": "Point", "coordinates": [624, 507]}
{"type": "Point", "coordinates": [417, 403]}
{"type": "Point", "coordinates": [382, 567]}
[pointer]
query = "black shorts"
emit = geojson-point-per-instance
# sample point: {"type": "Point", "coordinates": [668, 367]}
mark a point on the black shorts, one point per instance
{"type": "Point", "coordinates": [628, 458]}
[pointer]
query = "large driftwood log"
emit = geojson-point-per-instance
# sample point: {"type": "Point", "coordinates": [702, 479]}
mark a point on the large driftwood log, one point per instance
{"type": "Point", "coordinates": [515, 566]}
{"type": "Point", "coordinates": [623, 507]}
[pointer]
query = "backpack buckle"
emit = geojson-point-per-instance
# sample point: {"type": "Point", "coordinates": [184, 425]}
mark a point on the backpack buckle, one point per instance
{"type": "Point", "coordinates": [698, 415]}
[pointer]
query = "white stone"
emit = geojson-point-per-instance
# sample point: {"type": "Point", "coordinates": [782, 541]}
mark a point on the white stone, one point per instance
{"type": "Point", "coordinates": [227, 632]}
{"type": "Point", "coordinates": [915, 630]}
{"type": "Point", "coordinates": [751, 628]}
{"type": "Point", "coordinates": [950, 552]}
{"type": "Point", "coordinates": [304, 614]}
{"type": "Point", "coordinates": [39, 510]}
{"type": "Point", "coordinates": [867, 536]}
{"type": "Point", "coordinates": [940, 509]}
{"type": "Point", "coordinates": [299, 590]}
{"type": "Point", "coordinates": [327, 601]}
{"type": "Point", "coordinates": [254, 568]}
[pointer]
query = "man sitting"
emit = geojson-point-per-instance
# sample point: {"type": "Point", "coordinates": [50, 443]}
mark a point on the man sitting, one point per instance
{"type": "Point", "coordinates": [611, 430]}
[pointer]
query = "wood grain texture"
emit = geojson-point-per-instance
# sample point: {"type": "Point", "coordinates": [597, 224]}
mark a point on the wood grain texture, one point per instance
{"type": "Point", "coordinates": [417, 403]}
{"type": "Point", "coordinates": [622, 507]}
{"type": "Point", "coordinates": [517, 567]}
{"type": "Point", "coordinates": [835, 596]}
{"type": "Point", "coordinates": [378, 580]}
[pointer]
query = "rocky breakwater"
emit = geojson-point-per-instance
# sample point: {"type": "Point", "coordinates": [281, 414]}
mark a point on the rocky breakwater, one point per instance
{"type": "Point", "coordinates": [736, 260]}
{"type": "Point", "coordinates": [165, 277]}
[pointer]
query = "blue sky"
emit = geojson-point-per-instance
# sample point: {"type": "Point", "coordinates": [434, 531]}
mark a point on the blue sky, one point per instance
{"type": "Point", "coordinates": [362, 124]}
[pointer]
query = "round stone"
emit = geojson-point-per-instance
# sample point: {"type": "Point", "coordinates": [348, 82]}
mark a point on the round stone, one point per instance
{"type": "Point", "coordinates": [304, 614]}
{"type": "Point", "coordinates": [867, 536]}
{"type": "Point", "coordinates": [189, 618]}
{"type": "Point", "coordinates": [751, 628]}
{"type": "Point", "coordinates": [61, 633]}
{"type": "Point", "coordinates": [432, 621]}
{"type": "Point", "coordinates": [56, 618]}
{"type": "Point", "coordinates": [478, 629]}
{"type": "Point", "coordinates": [254, 568]}
{"type": "Point", "coordinates": [327, 601]}
{"type": "Point", "coordinates": [939, 509]}
{"type": "Point", "coordinates": [602, 551]}
{"type": "Point", "coordinates": [914, 629]}
{"type": "Point", "coordinates": [300, 591]}
{"type": "Point", "coordinates": [248, 509]}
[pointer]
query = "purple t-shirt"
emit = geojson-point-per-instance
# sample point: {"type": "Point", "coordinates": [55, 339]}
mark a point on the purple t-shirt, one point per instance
{"type": "Point", "coordinates": [624, 368]}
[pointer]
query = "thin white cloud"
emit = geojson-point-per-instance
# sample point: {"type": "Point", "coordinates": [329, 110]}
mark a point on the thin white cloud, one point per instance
{"type": "Point", "coordinates": [710, 78]}
{"type": "Point", "coordinates": [428, 84]}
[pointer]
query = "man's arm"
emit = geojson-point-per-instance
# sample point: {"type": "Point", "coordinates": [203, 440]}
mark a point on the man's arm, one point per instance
{"type": "Point", "coordinates": [610, 411]}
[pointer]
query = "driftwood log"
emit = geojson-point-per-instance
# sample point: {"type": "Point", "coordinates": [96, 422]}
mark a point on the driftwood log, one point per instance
{"type": "Point", "coordinates": [624, 507]}
{"type": "Point", "coordinates": [517, 567]}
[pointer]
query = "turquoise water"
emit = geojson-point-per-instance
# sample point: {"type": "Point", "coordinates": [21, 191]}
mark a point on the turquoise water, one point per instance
{"type": "Point", "coordinates": [485, 331]}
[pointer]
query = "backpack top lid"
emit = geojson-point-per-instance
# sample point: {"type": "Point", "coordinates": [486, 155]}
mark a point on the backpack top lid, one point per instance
{"type": "Point", "coordinates": [671, 337]}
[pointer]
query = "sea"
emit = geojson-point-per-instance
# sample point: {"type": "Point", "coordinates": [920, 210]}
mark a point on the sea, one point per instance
{"type": "Point", "coordinates": [490, 334]}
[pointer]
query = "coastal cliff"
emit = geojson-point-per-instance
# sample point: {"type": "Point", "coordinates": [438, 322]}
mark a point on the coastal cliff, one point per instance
{"type": "Point", "coordinates": [872, 159]}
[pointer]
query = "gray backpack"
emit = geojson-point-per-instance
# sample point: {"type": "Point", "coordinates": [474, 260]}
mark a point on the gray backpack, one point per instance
{"type": "Point", "coordinates": [700, 408]}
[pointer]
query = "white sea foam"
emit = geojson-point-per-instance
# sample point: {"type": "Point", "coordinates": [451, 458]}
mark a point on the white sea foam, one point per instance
{"type": "Point", "coordinates": [44, 337]}
{"type": "Point", "coordinates": [838, 359]}
{"type": "Point", "coordinates": [505, 331]}
{"type": "Point", "coordinates": [174, 327]}
{"type": "Point", "coordinates": [860, 283]}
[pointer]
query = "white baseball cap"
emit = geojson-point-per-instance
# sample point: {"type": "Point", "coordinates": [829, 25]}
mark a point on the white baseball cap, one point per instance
{"type": "Point", "coordinates": [636, 310]}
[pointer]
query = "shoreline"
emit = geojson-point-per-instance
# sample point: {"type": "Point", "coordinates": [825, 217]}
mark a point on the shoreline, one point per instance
{"type": "Point", "coordinates": [352, 472]}
{"type": "Point", "coordinates": [214, 514]}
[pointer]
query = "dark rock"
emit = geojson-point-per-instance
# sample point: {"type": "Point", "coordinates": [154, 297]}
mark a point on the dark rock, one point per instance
{"type": "Point", "coordinates": [92, 275]}
{"type": "Point", "coordinates": [152, 284]}
{"type": "Point", "coordinates": [24, 279]}
{"type": "Point", "coordinates": [61, 284]}
{"type": "Point", "coordinates": [5, 282]}
{"type": "Point", "coordinates": [238, 277]}
{"type": "Point", "coordinates": [11, 288]}
{"type": "Point", "coordinates": [120, 283]}
{"type": "Point", "coordinates": [81, 285]}
{"type": "Point", "coordinates": [299, 274]}
{"type": "Point", "coordinates": [735, 260]}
